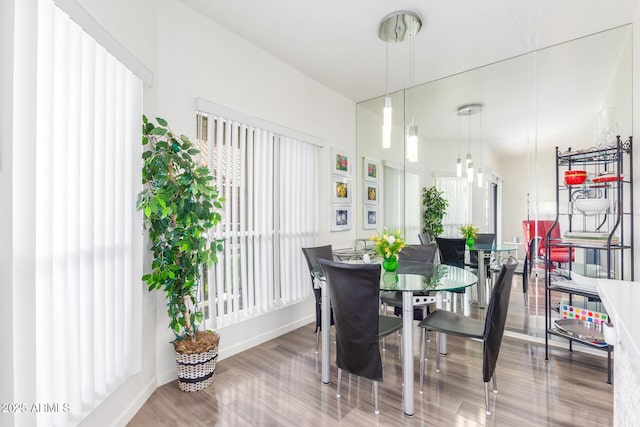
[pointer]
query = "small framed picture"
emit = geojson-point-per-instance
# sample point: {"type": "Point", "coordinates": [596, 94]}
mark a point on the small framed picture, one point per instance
{"type": "Point", "coordinates": [341, 161]}
{"type": "Point", "coordinates": [340, 217]}
{"type": "Point", "coordinates": [371, 193]}
{"type": "Point", "coordinates": [340, 189]}
{"type": "Point", "coordinates": [371, 169]}
{"type": "Point", "coordinates": [370, 217]}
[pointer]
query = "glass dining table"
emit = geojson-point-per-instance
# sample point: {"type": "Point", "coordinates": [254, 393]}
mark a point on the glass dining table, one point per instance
{"type": "Point", "coordinates": [485, 252]}
{"type": "Point", "coordinates": [417, 281]}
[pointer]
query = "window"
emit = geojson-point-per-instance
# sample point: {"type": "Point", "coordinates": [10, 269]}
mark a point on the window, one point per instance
{"type": "Point", "coordinates": [457, 192]}
{"type": "Point", "coordinates": [88, 132]}
{"type": "Point", "coordinates": [268, 176]}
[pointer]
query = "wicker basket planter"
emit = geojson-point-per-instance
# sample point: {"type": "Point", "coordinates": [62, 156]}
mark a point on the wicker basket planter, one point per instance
{"type": "Point", "coordinates": [195, 370]}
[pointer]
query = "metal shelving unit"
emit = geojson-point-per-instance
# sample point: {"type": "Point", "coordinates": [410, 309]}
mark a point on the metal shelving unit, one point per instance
{"type": "Point", "coordinates": [604, 238]}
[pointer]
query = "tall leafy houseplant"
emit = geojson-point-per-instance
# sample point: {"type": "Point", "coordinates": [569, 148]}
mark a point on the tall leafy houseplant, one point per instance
{"type": "Point", "coordinates": [180, 203]}
{"type": "Point", "coordinates": [435, 206]}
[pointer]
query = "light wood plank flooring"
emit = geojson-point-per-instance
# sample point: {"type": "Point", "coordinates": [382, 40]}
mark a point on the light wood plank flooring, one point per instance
{"type": "Point", "coordinates": [278, 384]}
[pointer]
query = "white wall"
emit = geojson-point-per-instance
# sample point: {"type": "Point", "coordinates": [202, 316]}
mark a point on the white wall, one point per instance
{"type": "Point", "coordinates": [191, 57]}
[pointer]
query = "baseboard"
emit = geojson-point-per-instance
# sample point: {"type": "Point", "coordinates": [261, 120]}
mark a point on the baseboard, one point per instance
{"type": "Point", "coordinates": [264, 337]}
{"type": "Point", "coordinates": [136, 404]}
{"type": "Point", "coordinates": [227, 351]}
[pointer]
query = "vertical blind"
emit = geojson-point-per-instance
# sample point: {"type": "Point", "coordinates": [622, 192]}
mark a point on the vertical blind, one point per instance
{"type": "Point", "coordinates": [457, 192]}
{"type": "Point", "coordinates": [269, 181]}
{"type": "Point", "coordinates": [88, 128]}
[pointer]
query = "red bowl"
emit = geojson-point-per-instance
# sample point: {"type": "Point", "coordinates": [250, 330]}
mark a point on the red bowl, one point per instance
{"type": "Point", "coordinates": [575, 177]}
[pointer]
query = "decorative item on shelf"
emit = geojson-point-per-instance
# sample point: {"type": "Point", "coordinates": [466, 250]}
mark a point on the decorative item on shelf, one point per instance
{"type": "Point", "coordinates": [575, 177]}
{"type": "Point", "coordinates": [388, 245]}
{"type": "Point", "coordinates": [469, 232]}
{"type": "Point", "coordinates": [172, 178]}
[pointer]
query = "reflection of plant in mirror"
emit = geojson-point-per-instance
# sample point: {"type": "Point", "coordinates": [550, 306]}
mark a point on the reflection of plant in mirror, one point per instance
{"type": "Point", "coordinates": [439, 273]}
{"type": "Point", "coordinates": [469, 231]}
{"type": "Point", "coordinates": [435, 206]}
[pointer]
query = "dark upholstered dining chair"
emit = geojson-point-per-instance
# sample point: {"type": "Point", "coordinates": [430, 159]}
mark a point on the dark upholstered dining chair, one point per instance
{"type": "Point", "coordinates": [313, 255]}
{"type": "Point", "coordinates": [452, 253]}
{"type": "Point", "coordinates": [451, 250]}
{"type": "Point", "coordinates": [422, 253]}
{"type": "Point", "coordinates": [489, 330]}
{"type": "Point", "coordinates": [424, 238]}
{"type": "Point", "coordinates": [354, 290]}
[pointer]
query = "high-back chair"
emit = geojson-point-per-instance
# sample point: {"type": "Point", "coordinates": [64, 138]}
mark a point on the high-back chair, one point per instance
{"type": "Point", "coordinates": [489, 330]}
{"type": "Point", "coordinates": [354, 289]}
{"type": "Point", "coordinates": [451, 250]}
{"type": "Point", "coordinates": [422, 253]}
{"type": "Point", "coordinates": [424, 238]}
{"type": "Point", "coordinates": [486, 240]}
{"type": "Point", "coordinates": [452, 253]}
{"type": "Point", "coordinates": [313, 255]}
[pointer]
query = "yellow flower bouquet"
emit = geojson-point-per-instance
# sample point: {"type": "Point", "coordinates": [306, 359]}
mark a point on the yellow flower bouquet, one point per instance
{"type": "Point", "coordinates": [389, 244]}
{"type": "Point", "coordinates": [469, 231]}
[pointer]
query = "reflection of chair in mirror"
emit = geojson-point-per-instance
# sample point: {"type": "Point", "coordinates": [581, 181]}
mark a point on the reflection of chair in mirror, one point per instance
{"type": "Point", "coordinates": [482, 240]}
{"type": "Point", "coordinates": [313, 255]}
{"type": "Point", "coordinates": [489, 330]}
{"type": "Point", "coordinates": [534, 237]}
{"type": "Point", "coordinates": [422, 253]}
{"type": "Point", "coordinates": [452, 253]}
{"type": "Point", "coordinates": [354, 291]}
{"type": "Point", "coordinates": [424, 238]}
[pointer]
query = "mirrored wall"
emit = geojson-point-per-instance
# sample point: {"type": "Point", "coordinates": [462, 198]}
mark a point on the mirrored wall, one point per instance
{"type": "Point", "coordinates": [557, 96]}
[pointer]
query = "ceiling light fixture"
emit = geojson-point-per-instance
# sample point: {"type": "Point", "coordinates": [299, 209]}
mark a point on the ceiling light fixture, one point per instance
{"type": "Point", "coordinates": [469, 110]}
{"type": "Point", "coordinates": [395, 28]}
{"type": "Point", "coordinates": [459, 160]}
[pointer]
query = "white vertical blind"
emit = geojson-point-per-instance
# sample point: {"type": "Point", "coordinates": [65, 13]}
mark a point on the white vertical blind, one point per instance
{"type": "Point", "coordinates": [87, 135]}
{"type": "Point", "coordinates": [269, 181]}
{"type": "Point", "coordinates": [457, 192]}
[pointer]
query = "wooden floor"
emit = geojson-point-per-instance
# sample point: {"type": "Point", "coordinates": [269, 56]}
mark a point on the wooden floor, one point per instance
{"type": "Point", "coordinates": [278, 384]}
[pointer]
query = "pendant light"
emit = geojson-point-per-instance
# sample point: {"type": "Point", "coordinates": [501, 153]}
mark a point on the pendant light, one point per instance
{"type": "Point", "coordinates": [412, 130]}
{"type": "Point", "coordinates": [386, 112]}
{"type": "Point", "coordinates": [395, 28]}
{"type": "Point", "coordinates": [480, 175]}
{"type": "Point", "coordinates": [469, 110]}
{"type": "Point", "coordinates": [459, 160]}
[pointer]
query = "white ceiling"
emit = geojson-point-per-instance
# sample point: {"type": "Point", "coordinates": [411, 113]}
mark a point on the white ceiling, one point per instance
{"type": "Point", "coordinates": [335, 41]}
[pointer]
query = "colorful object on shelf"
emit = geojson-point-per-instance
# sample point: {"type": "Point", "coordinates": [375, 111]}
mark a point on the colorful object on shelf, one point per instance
{"type": "Point", "coordinates": [609, 177]}
{"type": "Point", "coordinates": [575, 177]}
{"type": "Point", "coordinates": [570, 312]}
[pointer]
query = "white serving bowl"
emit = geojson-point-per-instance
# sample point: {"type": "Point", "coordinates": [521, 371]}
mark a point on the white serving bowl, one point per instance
{"type": "Point", "coordinates": [591, 206]}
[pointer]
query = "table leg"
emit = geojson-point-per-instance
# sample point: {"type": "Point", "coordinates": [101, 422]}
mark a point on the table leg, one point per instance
{"type": "Point", "coordinates": [407, 352]}
{"type": "Point", "coordinates": [482, 282]}
{"type": "Point", "coordinates": [442, 338]}
{"type": "Point", "coordinates": [325, 322]}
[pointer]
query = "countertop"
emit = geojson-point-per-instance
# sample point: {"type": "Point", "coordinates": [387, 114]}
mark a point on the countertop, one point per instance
{"type": "Point", "coordinates": [621, 299]}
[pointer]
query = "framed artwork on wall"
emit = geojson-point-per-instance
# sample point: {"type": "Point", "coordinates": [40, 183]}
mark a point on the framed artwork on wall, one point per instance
{"type": "Point", "coordinates": [341, 162]}
{"type": "Point", "coordinates": [341, 189]}
{"type": "Point", "coordinates": [340, 217]}
{"type": "Point", "coordinates": [370, 169]}
{"type": "Point", "coordinates": [370, 219]}
{"type": "Point", "coordinates": [371, 193]}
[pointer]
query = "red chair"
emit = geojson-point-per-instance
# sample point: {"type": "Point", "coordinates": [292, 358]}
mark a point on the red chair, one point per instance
{"type": "Point", "coordinates": [535, 239]}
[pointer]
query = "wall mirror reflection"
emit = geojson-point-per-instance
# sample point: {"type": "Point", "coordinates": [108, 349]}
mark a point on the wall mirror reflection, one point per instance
{"type": "Point", "coordinates": [568, 95]}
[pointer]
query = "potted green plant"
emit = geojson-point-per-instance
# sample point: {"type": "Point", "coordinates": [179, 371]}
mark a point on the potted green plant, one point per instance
{"type": "Point", "coordinates": [435, 206]}
{"type": "Point", "coordinates": [180, 203]}
{"type": "Point", "coordinates": [469, 232]}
